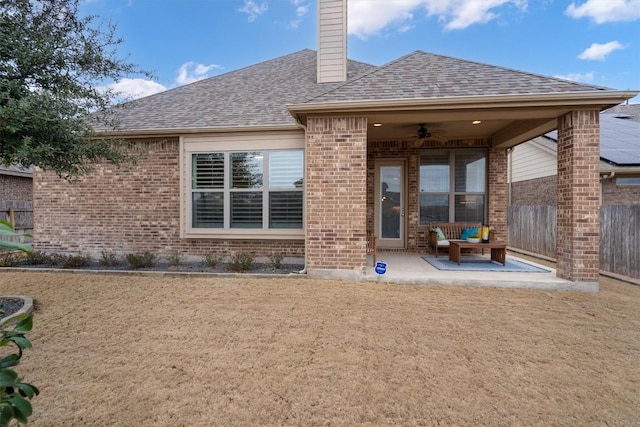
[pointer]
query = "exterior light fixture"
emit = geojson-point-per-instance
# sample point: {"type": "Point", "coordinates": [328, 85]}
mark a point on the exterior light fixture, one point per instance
{"type": "Point", "coordinates": [476, 122]}
{"type": "Point", "coordinates": [377, 125]}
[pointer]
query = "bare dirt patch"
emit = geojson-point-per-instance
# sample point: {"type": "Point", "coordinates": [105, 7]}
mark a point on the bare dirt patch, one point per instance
{"type": "Point", "coordinates": [139, 351]}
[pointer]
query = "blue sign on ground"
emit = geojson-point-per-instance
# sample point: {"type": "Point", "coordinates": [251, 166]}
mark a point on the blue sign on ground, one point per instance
{"type": "Point", "coordinates": [381, 267]}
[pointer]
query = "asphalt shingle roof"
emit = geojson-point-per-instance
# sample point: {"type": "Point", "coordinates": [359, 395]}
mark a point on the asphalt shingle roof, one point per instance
{"type": "Point", "coordinates": [426, 75]}
{"type": "Point", "coordinates": [253, 96]}
{"type": "Point", "coordinates": [257, 95]}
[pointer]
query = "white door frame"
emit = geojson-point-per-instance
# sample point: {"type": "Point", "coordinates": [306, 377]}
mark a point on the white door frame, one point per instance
{"type": "Point", "coordinates": [399, 187]}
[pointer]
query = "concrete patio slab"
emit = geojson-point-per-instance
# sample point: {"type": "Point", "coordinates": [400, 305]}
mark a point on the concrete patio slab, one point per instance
{"type": "Point", "coordinates": [410, 268]}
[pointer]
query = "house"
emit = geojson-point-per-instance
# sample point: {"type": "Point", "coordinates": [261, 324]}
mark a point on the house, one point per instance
{"type": "Point", "coordinates": [309, 153]}
{"type": "Point", "coordinates": [533, 165]}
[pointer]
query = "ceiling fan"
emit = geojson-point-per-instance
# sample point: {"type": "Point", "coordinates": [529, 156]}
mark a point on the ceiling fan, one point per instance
{"type": "Point", "coordinates": [425, 134]}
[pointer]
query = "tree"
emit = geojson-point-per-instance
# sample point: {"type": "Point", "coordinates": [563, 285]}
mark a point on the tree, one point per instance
{"type": "Point", "coordinates": [52, 62]}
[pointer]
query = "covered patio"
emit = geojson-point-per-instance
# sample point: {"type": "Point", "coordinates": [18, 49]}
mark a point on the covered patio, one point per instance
{"type": "Point", "coordinates": [410, 268]}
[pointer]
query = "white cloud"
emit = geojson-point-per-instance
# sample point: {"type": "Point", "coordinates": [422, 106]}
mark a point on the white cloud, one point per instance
{"type": "Point", "coordinates": [135, 88]}
{"type": "Point", "coordinates": [577, 77]}
{"type": "Point", "coordinates": [190, 72]}
{"type": "Point", "coordinates": [254, 9]}
{"type": "Point", "coordinates": [598, 51]}
{"type": "Point", "coordinates": [302, 10]}
{"type": "Point", "coordinates": [367, 17]}
{"type": "Point", "coordinates": [601, 11]}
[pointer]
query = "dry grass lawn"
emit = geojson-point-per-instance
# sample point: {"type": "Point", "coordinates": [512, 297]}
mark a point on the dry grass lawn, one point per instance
{"type": "Point", "coordinates": [133, 351]}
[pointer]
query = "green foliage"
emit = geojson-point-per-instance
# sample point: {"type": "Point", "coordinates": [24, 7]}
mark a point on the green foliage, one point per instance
{"type": "Point", "coordinates": [211, 260]}
{"type": "Point", "coordinates": [240, 262]}
{"type": "Point", "coordinates": [276, 261]}
{"type": "Point", "coordinates": [141, 260]}
{"type": "Point", "coordinates": [7, 231]}
{"type": "Point", "coordinates": [14, 393]}
{"type": "Point", "coordinates": [175, 259]}
{"type": "Point", "coordinates": [51, 60]}
{"type": "Point", "coordinates": [108, 259]}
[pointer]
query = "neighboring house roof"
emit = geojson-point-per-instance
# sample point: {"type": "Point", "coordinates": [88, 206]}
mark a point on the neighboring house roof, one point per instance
{"type": "Point", "coordinates": [619, 140]}
{"type": "Point", "coordinates": [16, 170]}
{"type": "Point", "coordinates": [625, 111]}
{"type": "Point", "coordinates": [253, 96]}
{"type": "Point", "coordinates": [258, 95]}
{"type": "Point", "coordinates": [426, 75]}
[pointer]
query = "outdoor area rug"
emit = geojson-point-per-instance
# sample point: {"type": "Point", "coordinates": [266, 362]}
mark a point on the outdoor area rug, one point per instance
{"type": "Point", "coordinates": [484, 264]}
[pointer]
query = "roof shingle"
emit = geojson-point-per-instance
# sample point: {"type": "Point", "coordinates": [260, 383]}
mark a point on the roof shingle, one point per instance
{"type": "Point", "coordinates": [258, 95]}
{"type": "Point", "coordinates": [426, 75]}
{"type": "Point", "coordinates": [253, 96]}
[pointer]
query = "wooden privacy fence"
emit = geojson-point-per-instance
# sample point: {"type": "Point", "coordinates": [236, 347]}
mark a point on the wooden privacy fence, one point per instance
{"type": "Point", "coordinates": [620, 240]}
{"type": "Point", "coordinates": [533, 229]}
{"type": "Point", "coordinates": [19, 213]}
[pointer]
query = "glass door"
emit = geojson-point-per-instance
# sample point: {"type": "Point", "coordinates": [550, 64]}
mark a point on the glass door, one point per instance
{"type": "Point", "coordinates": [390, 205]}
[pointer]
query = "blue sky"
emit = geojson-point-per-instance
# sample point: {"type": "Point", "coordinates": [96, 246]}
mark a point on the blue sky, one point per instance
{"type": "Point", "coordinates": [181, 41]}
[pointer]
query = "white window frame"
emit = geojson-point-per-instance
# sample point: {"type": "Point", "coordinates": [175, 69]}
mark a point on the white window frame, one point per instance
{"type": "Point", "coordinates": [230, 143]}
{"type": "Point", "coordinates": [452, 193]}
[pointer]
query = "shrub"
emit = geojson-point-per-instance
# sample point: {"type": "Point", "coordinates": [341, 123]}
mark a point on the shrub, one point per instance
{"type": "Point", "coordinates": [212, 260]}
{"type": "Point", "coordinates": [38, 258]}
{"type": "Point", "coordinates": [108, 259]}
{"type": "Point", "coordinates": [15, 395]}
{"type": "Point", "coordinates": [175, 259]}
{"type": "Point", "coordinates": [75, 261]}
{"type": "Point", "coordinates": [240, 262]}
{"type": "Point", "coordinates": [58, 259]}
{"type": "Point", "coordinates": [141, 260]}
{"type": "Point", "coordinates": [10, 259]}
{"type": "Point", "coordinates": [276, 261]}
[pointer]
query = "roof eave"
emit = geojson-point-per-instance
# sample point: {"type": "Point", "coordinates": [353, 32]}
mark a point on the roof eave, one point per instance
{"type": "Point", "coordinates": [16, 173]}
{"type": "Point", "coordinates": [141, 133]}
{"type": "Point", "coordinates": [598, 98]}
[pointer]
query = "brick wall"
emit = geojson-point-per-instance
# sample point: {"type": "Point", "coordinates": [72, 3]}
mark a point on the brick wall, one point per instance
{"type": "Point", "coordinates": [539, 191]}
{"type": "Point", "coordinates": [336, 202]}
{"type": "Point", "coordinates": [498, 202]}
{"type": "Point", "coordinates": [613, 194]}
{"type": "Point", "coordinates": [578, 195]}
{"type": "Point", "coordinates": [128, 209]}
{"type": "Point", "coordinates": [16, 188]}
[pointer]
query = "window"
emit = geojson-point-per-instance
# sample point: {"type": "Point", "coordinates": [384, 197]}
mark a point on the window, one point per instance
{"type": "Point", "coordinates": [452, 185]}
{"type": "Point", "coordinates": [628, 181]}
{"type": "Point", "coordinates": [254, 190]}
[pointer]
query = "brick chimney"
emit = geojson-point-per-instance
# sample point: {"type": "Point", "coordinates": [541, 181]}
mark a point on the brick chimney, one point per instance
{"type": "Point", "coordinates": [332, 41]}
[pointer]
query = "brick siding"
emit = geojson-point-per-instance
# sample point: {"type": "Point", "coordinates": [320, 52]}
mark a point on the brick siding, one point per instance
{"type": "Point", "coordinates": [578, 195]}
{"type": "Point", "coordinates": [132, 208]}
{"type": "Point", "coordinates": [538, 191]}
{"type": "Point", "coordinates": [16, 188]}
{"type": "Point", "coordinates": [336, 202]}
{"type": "Point", "coordinates": [613, 194]}
{"type": "Point", "coordinates": [498, 193]}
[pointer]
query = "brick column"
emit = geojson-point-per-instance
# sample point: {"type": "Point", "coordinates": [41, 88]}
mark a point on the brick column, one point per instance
{"type": "Point", "coordinates": [578, 193]}
{"type": "Point", "coordinates": [498, 193]}
{"type": "Point", "coordinates": [336, 197]}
